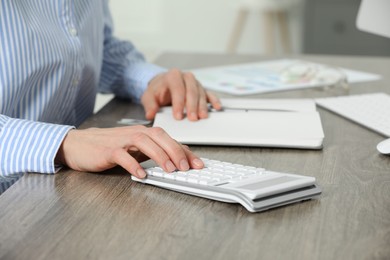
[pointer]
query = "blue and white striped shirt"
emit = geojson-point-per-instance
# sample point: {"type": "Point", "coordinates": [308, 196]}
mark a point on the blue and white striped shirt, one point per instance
{"type": "Point", "coordinates": [55, 55]}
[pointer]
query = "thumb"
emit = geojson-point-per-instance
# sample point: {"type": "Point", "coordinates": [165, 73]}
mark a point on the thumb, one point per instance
{"type": "Point", "coordinates": [150, 105]}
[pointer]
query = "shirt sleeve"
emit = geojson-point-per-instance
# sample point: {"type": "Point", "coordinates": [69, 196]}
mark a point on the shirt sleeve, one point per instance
{"type": "Point", "coordinates": [28, 146]}
{"type": "Point", "coordinates": [125, 71]}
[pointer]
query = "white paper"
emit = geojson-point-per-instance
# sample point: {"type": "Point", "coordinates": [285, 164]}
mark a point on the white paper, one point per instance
{"type": "Point", "coordinates": [270, 76]}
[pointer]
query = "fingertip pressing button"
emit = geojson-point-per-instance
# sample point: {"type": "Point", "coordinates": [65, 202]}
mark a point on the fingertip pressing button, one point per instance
{"type": "Point", "coordinates": [184, 166]}
{"type": "Point", "coordinates": [141, 173]}
{"type": "Point", "coordinates": [170, 166]}
{"type": "Point", "coordinates": [198, 163]}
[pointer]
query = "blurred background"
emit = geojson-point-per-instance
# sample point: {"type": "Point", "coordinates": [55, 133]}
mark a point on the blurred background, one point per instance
{"type": "Point", "coordinates": [195, 25]}
{"type": "Point", "coordinates": [266, 27]}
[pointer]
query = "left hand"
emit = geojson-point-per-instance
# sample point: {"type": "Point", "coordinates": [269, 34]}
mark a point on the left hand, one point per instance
{"type": "Point", "coordinates": [183, 91]}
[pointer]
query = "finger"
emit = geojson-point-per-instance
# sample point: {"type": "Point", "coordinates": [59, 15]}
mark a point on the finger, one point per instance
{"type": "Point", "coordinates": [195, 161]}
{"type": "Point", "coordinates": [155, 149]}
{"type": "Point", "coordinates": [192, 96]}
{"type": "Point", "coordinates": [125, 160]}
{"type": "Point", "coordinates": [177, 89]}
{"type": "Point", "coordinates": [202, 107]}
{"type": "Point", "coordinates": [156, 144]}
{"type": "Point", "coordinates": [214, 100]}
{"type": "Point", "coordinates": [150, 104]}
{"type": "Point", "coordinates": [170, 146]}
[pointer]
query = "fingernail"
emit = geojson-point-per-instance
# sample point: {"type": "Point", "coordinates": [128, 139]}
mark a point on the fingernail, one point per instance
{"type": "Point", "coordinates": [178, 115]}
{"type": "Point", "coordinates": [184, 165]}
{"type": "Point", "coordinates": [141, 173]}
{"type": "Point", "coordinates": [194, 116]}
{"type": "Point", "coordinates": [170, 166]}
{"type": "Point", "coordinates": [203, 114]}
{"type": "Point", "coordinates": [198, 163]}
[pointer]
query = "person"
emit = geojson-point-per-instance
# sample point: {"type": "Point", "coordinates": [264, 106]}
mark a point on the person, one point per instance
{"type": "Point", "coordinates": [54, 57]}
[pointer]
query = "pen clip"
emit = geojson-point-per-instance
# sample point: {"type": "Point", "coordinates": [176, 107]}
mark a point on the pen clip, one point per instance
{"type": "Point", "coordinates": [133, 121]}
{"type": "Point", "coordinates": [224, 108]}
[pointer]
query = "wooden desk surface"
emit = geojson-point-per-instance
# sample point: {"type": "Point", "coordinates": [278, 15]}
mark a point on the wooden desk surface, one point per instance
{"type": "Point", "coordinates": [79, 215]}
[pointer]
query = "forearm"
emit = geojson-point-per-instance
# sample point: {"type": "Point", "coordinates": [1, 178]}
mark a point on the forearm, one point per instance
{"type": "Point", "coordinates": [125, 73]}
{"type": "Point", "coordinates": [124, 69]}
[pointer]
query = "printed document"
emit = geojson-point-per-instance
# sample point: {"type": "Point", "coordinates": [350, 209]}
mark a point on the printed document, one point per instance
{"type": "Point", "coordinates": [276, 75]}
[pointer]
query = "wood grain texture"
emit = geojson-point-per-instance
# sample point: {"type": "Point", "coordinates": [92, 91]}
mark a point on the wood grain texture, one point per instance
{"type": "Point", "coordinates": [79, 215]}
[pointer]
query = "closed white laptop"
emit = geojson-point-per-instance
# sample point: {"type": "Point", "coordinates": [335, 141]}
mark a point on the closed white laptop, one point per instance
{"type": "Point", "coordinates": [243, 122]}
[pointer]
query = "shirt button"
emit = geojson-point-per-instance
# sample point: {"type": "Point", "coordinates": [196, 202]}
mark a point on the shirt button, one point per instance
{"type": "Point", "coordinates": [73, 32]}
{"type": "Point", "coordinates": [75, 82]}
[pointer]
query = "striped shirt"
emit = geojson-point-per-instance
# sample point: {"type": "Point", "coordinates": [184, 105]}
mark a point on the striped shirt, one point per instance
{"type": "Point", "coordinates": [55, 55]}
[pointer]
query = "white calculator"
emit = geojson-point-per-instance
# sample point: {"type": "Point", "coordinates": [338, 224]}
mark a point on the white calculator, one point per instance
{"type": "Point", "coordinates": [256, 189]}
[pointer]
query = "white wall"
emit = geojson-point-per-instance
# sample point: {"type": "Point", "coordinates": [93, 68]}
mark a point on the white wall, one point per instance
{"type": "Point", "coordinates": [155, 26]}
{"type": "Point", "coordinates": [190, 25]}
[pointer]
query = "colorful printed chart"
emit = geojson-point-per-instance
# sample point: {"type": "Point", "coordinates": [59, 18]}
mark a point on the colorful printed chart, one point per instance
{"type": "Point", "coordinates": [277, 75]}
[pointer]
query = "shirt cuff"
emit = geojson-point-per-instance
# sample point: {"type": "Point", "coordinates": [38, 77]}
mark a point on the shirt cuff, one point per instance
{"type": "Point", "coordinates": [28, 146]}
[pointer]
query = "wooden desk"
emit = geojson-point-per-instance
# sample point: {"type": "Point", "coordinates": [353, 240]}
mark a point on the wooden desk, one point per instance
{"type": "Point", "coordinates": [79, 215]}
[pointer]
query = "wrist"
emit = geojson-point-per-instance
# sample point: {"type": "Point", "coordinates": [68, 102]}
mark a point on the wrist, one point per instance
{"type": "Point", "coordinates": [60, 156]}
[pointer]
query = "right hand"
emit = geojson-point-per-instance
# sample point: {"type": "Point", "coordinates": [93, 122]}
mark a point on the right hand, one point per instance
{"type": "Point", "coordinates": [183, 91]}
{"type": "Point", "coordinates": [99, 149]}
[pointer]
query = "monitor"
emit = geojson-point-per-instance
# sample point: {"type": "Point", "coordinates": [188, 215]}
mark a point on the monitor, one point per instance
{"type": "Point", "coordinates": [374, 17]}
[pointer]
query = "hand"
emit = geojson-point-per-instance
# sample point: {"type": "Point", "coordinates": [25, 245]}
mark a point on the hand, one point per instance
{"type": "Point", "coordinates": [97, 149]}
{"type": "Point", "coordinates": [180, 89]}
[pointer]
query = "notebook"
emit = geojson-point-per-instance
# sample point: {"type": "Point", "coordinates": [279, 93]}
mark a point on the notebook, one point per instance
{"type": "Point", "coordinates": [250, 122]}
